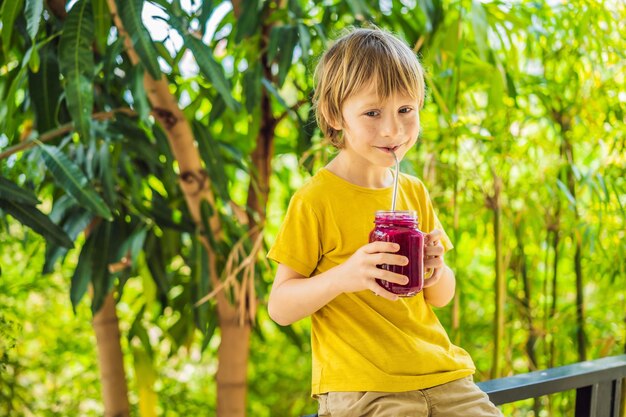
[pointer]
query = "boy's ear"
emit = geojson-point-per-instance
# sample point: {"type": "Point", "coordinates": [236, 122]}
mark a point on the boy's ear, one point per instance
{"type": "Point", "coordinates": [335, 126]}
{"type": "Point", "coordinates": [332, 121]}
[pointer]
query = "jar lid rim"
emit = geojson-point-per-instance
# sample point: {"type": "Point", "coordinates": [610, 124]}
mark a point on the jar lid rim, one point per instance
{"type": "Point", "coordinates": [406, 215]}
{"type": "Point", "coordinates": [396, 212]}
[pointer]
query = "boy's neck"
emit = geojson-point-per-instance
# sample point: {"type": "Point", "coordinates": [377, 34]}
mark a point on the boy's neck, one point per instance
{"type": "Point", "coordinates": [364, 176]}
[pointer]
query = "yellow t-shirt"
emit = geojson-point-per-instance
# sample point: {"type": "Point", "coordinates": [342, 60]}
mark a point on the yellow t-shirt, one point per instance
{"type": "Point", "coordinates": [362, 342]}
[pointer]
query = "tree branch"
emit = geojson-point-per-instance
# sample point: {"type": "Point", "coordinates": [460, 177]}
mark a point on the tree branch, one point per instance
{"type": "Point", "coordinates": [236, 7]}
{"type": "Point", "coordinates": [57, 7]}
{"type": "Point", "coordinates": [61, 130]}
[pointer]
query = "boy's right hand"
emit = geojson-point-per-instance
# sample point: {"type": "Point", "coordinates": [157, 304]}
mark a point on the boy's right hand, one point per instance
{"type": "Point", "coordinates": [360, 271]}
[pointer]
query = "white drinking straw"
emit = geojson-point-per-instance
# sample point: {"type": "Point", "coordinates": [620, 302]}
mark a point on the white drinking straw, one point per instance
{"type": "Point", "coordinates": [395, 182]}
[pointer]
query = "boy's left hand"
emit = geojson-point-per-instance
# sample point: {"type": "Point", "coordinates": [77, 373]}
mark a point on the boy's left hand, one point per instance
{"type": "Point", "coordinates": [433, 257]}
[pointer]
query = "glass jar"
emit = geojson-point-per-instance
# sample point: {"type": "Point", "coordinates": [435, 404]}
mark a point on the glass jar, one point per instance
{"type": "Point", "coordinates": [401, 227]}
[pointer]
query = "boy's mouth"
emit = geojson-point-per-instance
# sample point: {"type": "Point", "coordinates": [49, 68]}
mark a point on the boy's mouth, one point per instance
{"type": "Point", "coordinates": [389, 149]}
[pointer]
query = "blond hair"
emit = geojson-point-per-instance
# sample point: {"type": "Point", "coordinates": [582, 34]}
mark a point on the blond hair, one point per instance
{"type": "Point", "coordinates": [354, 61]}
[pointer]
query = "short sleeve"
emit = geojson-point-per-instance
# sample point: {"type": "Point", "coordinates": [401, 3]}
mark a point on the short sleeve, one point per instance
{"type": "Point", "coordinates": [298, 243]}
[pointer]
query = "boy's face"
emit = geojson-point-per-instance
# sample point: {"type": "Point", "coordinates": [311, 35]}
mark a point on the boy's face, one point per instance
{"type": "Point", "coordinates": [373, 127]}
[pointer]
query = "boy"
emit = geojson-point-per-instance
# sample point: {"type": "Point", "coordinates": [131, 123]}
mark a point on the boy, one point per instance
{"type": "Point", "coordinates": [374, 354]}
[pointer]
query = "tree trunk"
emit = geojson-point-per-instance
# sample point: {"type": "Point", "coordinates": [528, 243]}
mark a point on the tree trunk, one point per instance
{"type": "Point", "coordinates": [195, 185]}
{"type": "Point", "coordinates": [580, 304]}
{"type": "Point", "coordinates": [527, 308]}
{"type": "Point", "coordinates": [111, 361]}
{"type": "Point", "coordinates": [500, 284]}
{"type": "Point", "coordinates": [232, 372]}
{"type": "Point", "coordinates": [259, 187]}
{"type": "Point", "coordinates": [526, 301]}
{"type": "Point", "coordinates": [555, 281]}
{"type": "Point", "coordinates": [456, 305]}
{"type": "Point", "coordinates": [567, 153]}
{"type": "Point", "coordinates": [235, 326]}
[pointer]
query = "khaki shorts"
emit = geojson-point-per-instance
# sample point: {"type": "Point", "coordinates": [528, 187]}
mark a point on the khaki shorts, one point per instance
{"type": "Point", "coordinates": [460, 398]}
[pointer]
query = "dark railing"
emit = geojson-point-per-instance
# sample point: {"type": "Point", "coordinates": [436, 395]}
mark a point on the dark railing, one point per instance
{"type": "Point", "coordinates": [598, 385]}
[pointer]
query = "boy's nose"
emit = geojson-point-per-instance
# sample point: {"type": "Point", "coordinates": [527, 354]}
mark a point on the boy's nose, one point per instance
{"type": "Point", "coordinates": [390, 127]}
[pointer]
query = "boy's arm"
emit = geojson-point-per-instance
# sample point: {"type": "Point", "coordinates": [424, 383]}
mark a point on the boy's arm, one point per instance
{"type": "Point", "coordinates": [439, 288]}
{"type": "Point", "coordinates": [294, 297]}
{"type": "Point", "coordinates": [442, 291]}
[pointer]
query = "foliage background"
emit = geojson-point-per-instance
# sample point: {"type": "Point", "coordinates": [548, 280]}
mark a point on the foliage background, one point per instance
{"type": "Point", "coordinates": [524, 121]}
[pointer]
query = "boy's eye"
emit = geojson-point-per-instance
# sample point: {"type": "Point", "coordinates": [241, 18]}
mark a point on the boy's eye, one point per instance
{"type": "Point", "coordinates": [372, 113]}
{"type": "Point", "coordinates": [406, 110]}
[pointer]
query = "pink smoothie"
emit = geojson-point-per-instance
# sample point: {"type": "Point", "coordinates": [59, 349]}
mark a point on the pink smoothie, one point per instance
{"type": "Point", "coordinates": [401, 227]}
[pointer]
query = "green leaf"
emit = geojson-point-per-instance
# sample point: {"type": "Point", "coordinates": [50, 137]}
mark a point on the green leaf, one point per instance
{"type": "Point", "coordinates": [206, 10]}
{"type": "Point", "coordinates": [213, 160]}
{"type": "Point", "coordinates": [101, 279]}
{"type": "Point", "coordinates": [77, 65]}
{"type": "Point", "coordinates": [295, 338]}
{"type": "Point", "coordinates": [248, 20]}
{"type": "Point", "coordinates": [109, 64]}
{"type": "Point", "coordinates": [566, 191]}
{"type": "Point", "coordinates": [305, 136]}
{"type": "Point", "coordinates": [82, 274]}
{"type": "Point", "coordinates": [618, 195]}
{"type": "Point", "coordinates": [140, 99]}
{"type": "Point", "coordinates": [138, 330]}
{"type": "Point", "coordinates": [321, 33]}
{"type": "Point", "coordinates": [69, 177]}
{"type": "Point", "coordinates": [102, 23]}
{"type": "Point", "coordinates": [252, 86]}
{"type": "Point", "coordinates": [201, 283]}
{"type": "Point", "coordinates": [434, 13]}
{"type": "Point", "coordinates": [270, 88]}
{"type": "Point", "coordinates": [105, 173]}
{"type": "Point", "coordinates": [218, 106]}
{"type": "Point", "coordinates": [135, 243]}
{"type": "Point", "coordinates": [156, 265]}
{"type": "Point", "coordinates": [164, 53]}
{"type": "Point", "coordinates": [294, 7]}
{"type": "Point", "coordinates": [211, 69]}
{"type": "Point", "coordinates": [210, 329]}
{"type": "Point", "coordinates": [272, 48]}
{"type": "Point", "coordinates": [74, 220]}
{"type": "Point", "coordinates": [130, 13]}
{"type": "Point", "coordinates": [45, 90]}
{"type": "Point", "coordinates": [10, 10]}
{"type": "Point", "coordinates": [12, 192]}
{"type": "Point", "coordinates": [33, 12]}
{"type": "Point", "coordinates": [181, 332]}
{"type": "Point", "coordinates": [206, 212]}
{"type": "Point", "coordinates": [480, 26]}
{"type": "Point", "coordinates": [40, 223]}
{"type": "Point", "coordinates": [290, 34]}
{"type": "Point", "coordinates": [359, 8]}
{"type": "Point", "coordinates": [305, 41]}
{"type": "Point", "coordinates": [8, 116]}
{"type": "Point", "coordinates": [33, 62]}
